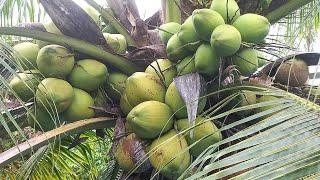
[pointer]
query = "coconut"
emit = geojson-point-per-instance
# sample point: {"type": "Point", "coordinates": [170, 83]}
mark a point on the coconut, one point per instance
{"type": "Point", "coordinates": [27, 54]}
{"type": "Point", "coordinates": [169, 154]}
{"type": "Point", "coordinates": [228, 9]}
{"type": "Point", "coordinates": [51, 28]}
{"type": "Point", "coordinates": [261, 60]}
{"type": "Point", "coordinates": [150, 119]}
{"type": "Point", "coordinates": [246, 98]}
{"type": "Point", "coordinates": [43, 120]}
{"type": "Point", "coordinates": [115, 85]}
{"type": "Point", "coordinates": [117, 42]}
{"type": "Point", "coordinates": [246, 61]}
{"type": "Point", "coordinates": [188, 36]}
{"type": "Point", "coordinates": [164, 69]}
{"type": "Point", "coordinates": [204, 134]}
{"type": "Point", "coordinates": [186, 66]}
{"type": "Point", "coordinates": [294, 72]}
{"type": "Point", "coordinates": [93, 13]}
{"type": "Point", "coordinates": [109, 29]}
{"type": "Point", "coordinates": [205, 21]}
{"type": "Point", "coordinates": [142, 87]}
{"type": "Point", "coordinates": [252, 27]}
{"type": "Point", "coordinates": [125, 106]}
{"type": "Point", "coordinates": [265, 98]}
{"type": "Point", "coordinates": [166, 31]}
{"type": "Point", "coordinates": [226, 40]}
{"type": "Point", "coordinates": [175, 49]}
{"type": "Point", "coordinates": [88, 75]}
{"type": "Point", "coordinates": [80, 106]}
{"type": "Point", "coordinates": [25, 84]}
{"type": "Point", "coordinates": [55, 61]}
{"type": "Point", "coordinates": [130, 153]}
{"type": "Point", "coordinates": [175, 102]}
{"type": "Point", "coordinates": [55, 94]}
{"type": "Point", "coordinates": [206, 60]}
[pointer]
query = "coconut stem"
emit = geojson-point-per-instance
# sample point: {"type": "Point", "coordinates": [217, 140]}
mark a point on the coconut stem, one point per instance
{"type": "Point", "coordinates": [283, 10]}
{"type": "Point", "coordinates": [172, 10]}
{"type": "Point", "coordinates": [117, 61]}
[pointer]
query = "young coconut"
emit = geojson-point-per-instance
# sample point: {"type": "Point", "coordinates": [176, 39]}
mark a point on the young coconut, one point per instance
{"type": "Point", "coordinates": [246, 61]}
{"type": "Point", "coordinates": [246, 98]}
{"type": "Point", "coordinates": [259, 27]}
{"type": "Point", "coordinates": [115, 85]}
{"type": "Point", "coordinates": [117, 42]}
{"type": "Point", "coordinates": [88, 75]}
{"type": "Point", "coordinates": [150, 119]}
{"type": "Point", "coordinates": [54, 94]}
{"type": "Point", "coordinates": [164, 69]}
{"type": "Point", "coordinates": [266, 98]}
{"type": "Point", "coordinates": [294, 72]}
{"type": "Point", "coordinates": [166, 31]}
{"type": "Point", "coordinates": [186, 66]}
{"type": "Point", "coordinates": [204, 134]}
{"type": "Point", "coordinates": [205, 21]}
{"type": "Point", "coordinates": [169, 154]}
{"type": "Point", "coordinates": [43, 120]}
{"type": "Point", "coordinates": [142, 87]}
{"type": "Point", "coordinates": [125, 106]}
{"type": "Point", "coordinates": [25, 84]}
{"type": "Point", "coordinates": [228, 9]}
{"type": "Point", "coordinates": [176, 49]}
{"type": "Point", "coordinates": [80, 106]}
{"type": "Point", "coordinates": [188, 35]}
{"type": "Point", "coordinates": [226, 40]}
{"type": "Point", "coordinates": [206, 60]}
{"type": "Point", "coordinates": [109, 29]}
{"type": "Point", "coordinates": [51, 28]}
{"type": "Point", "coordinates": [55, 61]}
{"type": "Point", "coordinates": [175, 102]}
{"type": "Point", "coordinates": [27, 54]}
{"type": "Point", "coordinates": [93, 13]}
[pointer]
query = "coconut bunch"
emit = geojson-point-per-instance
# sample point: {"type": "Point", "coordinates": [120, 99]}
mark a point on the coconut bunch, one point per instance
{"type": "Point", "coordinates": [211, 36]}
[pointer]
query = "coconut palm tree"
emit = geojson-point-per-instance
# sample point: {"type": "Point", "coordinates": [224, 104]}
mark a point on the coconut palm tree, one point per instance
{"type": "Point", "coordinates": [280, 141]}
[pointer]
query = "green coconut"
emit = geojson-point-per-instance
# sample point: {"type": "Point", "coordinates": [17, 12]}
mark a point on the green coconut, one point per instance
{"type": "Point", "coordinates": [150, 119]}
{"type": "Point", "coordinates": [88, 75]}
{"type": "Point", "coordinates": [164, 69]}
{"type": "Point", "coordinates": [117, 42]}
{"type": "Point", "coordinates": [176, 49]}
{"type": "Point", "coordinates": [142, 87]}
{"type": "Point", "coordinates": [175, 102]}
{"type": "Point", "coordinates": [205, 21]}
{"type": "Point", "coordinates": [109, 29]}
{"type": "Point", "coordinates": [27, 53]}
{"type": "Point", "coordinates": [93, 13]}
{"type": "Point", "coordinates": [51, 28]}
{"type": "Point", "coordinates": [125, 105]}
{"type": "Point", "coordinates": [25, 84]}
{"type": "Point", "coordinates": [261, 60]}
{"type": "Point", "coordinates": [166, 31]}
{"type": "Point", "coordinates": [206, 60]}
{"type": "Point", "coordinates": [246, 61]}
{"type": "Point", "coordinates": [266, 98]}
{"type": "Point", "coordinates": [252, 27]}
{"type": "Point", "coordinates": [55, 94]}
{"type": "Point", "coordinates": [115, 85]}
{"type": "Point", "coordinates": [246, 98]}
{"type": "Point", "coordinates": [204, 134]}
{"type": "Point", "coordinates": [55, 61]}
{"type": "Point", "coordinates": [169, 154]}
{"type": "Point", "coordinates": [226, 40]}
{"type": "Point", "coordinates": [188, 36]}
{"type": "Point", "coordinates": [228, 9]}
{"type": "Point", "coordinates": [80, 106]}
{"type": "Point", "coordinates": [294, 72]}
{"type": "Point", "coordinates": [186, 66]}
{"type": "Point", "coordinates": [43, 120]}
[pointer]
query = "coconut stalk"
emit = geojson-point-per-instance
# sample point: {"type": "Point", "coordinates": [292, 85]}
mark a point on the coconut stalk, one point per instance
{"type": "Point", "coordinates": [171, 11]}
{"type": "Point", "coordinates": [105, 57]}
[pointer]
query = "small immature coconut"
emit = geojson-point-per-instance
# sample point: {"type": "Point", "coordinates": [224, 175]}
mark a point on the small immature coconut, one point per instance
{"type": "Point", "coordinates": [186, 66]}
{"type": "Point", "coordinates": [55, 61]}
{"type": "Point", "coordinates": [142, 87]}
{"type": "Point", "coordinates": [164, 69]}
{"type": "Point", "coordinates": [25, 84]}
{"type": "Point", "coordinates": [206, 60]}
{"type": "Point", "coordinates": [150, 119]}
{"type": "Point", "coordinates": [226, 40]}
{"type": "Point", "coordinates": [176, 49]}
{"type": "Point", "coordinates": [246, 98]}
{"type": "Point", "coordinates": [228, 9]}
{"type": "Point", "coordinates": [252, 27]}
{"type": "Point", "coordinates": [93, 13]}
{"type": "Point", "coordinates": [80, 106]}
{"type": "Point", "coordinates": [125, 106]}
{"type": "Point", "coordinates": [246, 61]}
{"type": "Point", "coordinates": [54, 93]}
{"type": "Point", "coordinates": [294, 72]}
{"type": "Point", "coordinates": [169, 154]}
{"type": "Point", "coordinates": [204, 134]}
{"type": "Point", "coordinates": [188, 35]}
{"type": "Point", "coordinates": [115, 85]}
{"type": "Point", "coordinates": [109, 29]}
{"type": "Point", "coordinates": [117, 42]}
{"type": "Point", "coordinates": [266, 98]}
{"type": "Point", "coordinates": [205, 21]}
{"type": "Point", "coordinates": [166, 31]}
{"type": "Point", "coordinates": [175, 102]}
{"type": "Point", "coordinates": [43, 120]}
{"type": "Point", "coordinates": [88, 75]}
{"type": "Point", "coordinates": [27, 54]}
{"type": "Point", "coordinates": [51, 28]}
